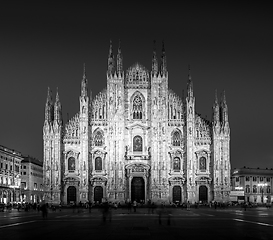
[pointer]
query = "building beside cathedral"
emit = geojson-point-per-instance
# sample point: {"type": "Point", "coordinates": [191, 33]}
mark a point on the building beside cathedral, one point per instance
{"type": "Point", "coordinates": [136, 140]}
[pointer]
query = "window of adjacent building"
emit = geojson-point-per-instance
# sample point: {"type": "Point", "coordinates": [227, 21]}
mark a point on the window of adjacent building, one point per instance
{"type": "Point", "coordinates": [254, 179]}
{"type": "Point", "coordinates": [98, 138]}
{"type": "Point", "coordinates": [137, 107]}
{"type": "Point", "coordinates": [16, 168]}
{"type": "Point", "coordinates": [247, 178]}
{"type": "Point", "coordinates": [247, 189]}
{"type": "Point", "coordinates": [24, 173]}
{"type": "Point", "coordinates": [71, 164]}
{"type": "Point", "coordinates": [1, 165]}
{"type": "Point", "coordinates": [10, 167]}
{"type": "Point", "coordinates": [35, 186]}
{"type": "Point", "coordinates": [41, 186]}
{"type": "Point", "coordinates": [137, 144]}
{"type": "Point", "coordinates": [23, 185]}
{"type": "Point", "coordinates": [176, 164]}
{"type": "Point", "coordinates": [98, 164]}
{"type": "Point", "coordinates": [25, 167]}
{"type": "Point", "coordinates": [237, 179]}
{"type": "Point", "coordinates": [176, 138]}
{"type": "Point", "coordinates": [254, 189]}
{"type": "Point", "coordinates": [268, 179]}
{"type": "Point", "coordinates": [202, 163]}
{"type": "Point", "coordinates": [268, 190]}
{"type": "Point", "coordinates": [261, 178]}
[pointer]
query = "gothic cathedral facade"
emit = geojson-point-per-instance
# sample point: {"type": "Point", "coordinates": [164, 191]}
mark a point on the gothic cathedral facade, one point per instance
{"type": "Point", "coordinates": [136, 140]}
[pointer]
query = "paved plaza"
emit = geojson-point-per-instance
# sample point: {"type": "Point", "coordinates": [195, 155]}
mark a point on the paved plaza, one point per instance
{"type": "Point", "coordinates": [176, 223]}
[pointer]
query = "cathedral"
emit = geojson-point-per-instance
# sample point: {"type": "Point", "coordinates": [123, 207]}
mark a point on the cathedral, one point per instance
{"type": "Point", "coordinates": [136, 140]}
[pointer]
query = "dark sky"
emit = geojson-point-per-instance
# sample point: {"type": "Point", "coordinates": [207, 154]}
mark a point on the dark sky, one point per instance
{"type": "Point", "coordinates": [229, 47]}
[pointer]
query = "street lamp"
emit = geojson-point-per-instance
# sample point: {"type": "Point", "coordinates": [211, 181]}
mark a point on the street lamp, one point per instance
{"type": "Point", "coordinates": [262, 185]}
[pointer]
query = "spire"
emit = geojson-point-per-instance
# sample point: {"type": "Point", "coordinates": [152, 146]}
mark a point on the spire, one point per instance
{"type": "Point", "coordinates": [216, 111]}
{"type": "Point", "coordinates": [190, 84]}
{"type": "Point", "coordinates": [84, 83]}
{"type": "Point", "coordinates": [57, 109]}
{"type": "Point", "coordinates": [49, 106]}
{"type": "Point", "coordinates": [111, 62]}
{"type": "Point", "coordinates": [163, 68]}
{"type": "Point", "coordinates": [224, 108]}
{"type": "Point", "coordinates": [119, 61]}
{"type": "Point", "coordinates": [154, 61]}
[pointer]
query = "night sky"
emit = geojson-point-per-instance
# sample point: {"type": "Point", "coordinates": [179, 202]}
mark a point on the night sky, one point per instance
{"type": "Point", "coordinates": [228, 47]}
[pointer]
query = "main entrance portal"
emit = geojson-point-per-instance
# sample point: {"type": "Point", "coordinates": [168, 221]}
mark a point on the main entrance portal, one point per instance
{"type": "Point", "coordinates": [138, 189]}
{"type": "Point", "coordinates": [71, 194]}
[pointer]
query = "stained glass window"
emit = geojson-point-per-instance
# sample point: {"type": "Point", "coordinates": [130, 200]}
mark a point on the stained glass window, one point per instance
{"type": "Point", "coordinates": [137, 107]}
{"type": "Point", "coordinates": [98, 139]}
{"type": "Point", "coordinates": [176, 139]}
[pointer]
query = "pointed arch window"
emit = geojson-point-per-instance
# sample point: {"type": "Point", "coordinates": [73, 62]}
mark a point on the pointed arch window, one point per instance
{"type": "Point", "coordinates": [202, 164]}
{"type": "Point", "coordinates": [176, 139]}
{"type": "Point", "coordinates": [98, 164]}
{"type": "Point", "coordinates": [98, 138]}
{"type": "Point", "coordinates": [137, 107]}
{"type": "Point", "coordinates": [176, 164]}
{"type": "Point", "coordinates": [137, 144]}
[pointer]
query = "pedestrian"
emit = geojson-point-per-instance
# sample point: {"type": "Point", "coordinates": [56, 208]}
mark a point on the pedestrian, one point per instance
{"type": "Point", "coordinates": [188, 205]}
{"type": "Point", "coordinates": [134, 205]}
{"type": "Point", "coordinates": [89, 206]}
{"type": "Point", "coordinates": [44, 210]}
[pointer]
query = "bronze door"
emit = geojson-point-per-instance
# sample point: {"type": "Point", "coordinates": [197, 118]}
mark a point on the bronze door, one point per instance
{"type": "Point", "coordinates": [176, 194]}
{"type": "Point", "coordinates": [137, 189]}
{"type": "Point", "coordinates": [203, 194]}
{"type": "Point", "coordinates": [71, 194]}
{"type": "Point", "coordinates": [98, 194]}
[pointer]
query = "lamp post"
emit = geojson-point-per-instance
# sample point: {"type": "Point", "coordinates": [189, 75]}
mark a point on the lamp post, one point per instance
{"type": "Point", "coordinates": [262, 185]}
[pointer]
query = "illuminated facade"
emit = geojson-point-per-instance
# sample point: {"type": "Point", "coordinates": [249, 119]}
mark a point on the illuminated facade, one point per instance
{"type": "Point", "coordinates": [255, 184]}
{"type": "Point", "coordinates": [31, 180]}
{"type": "Point", "coordinates": [10, 178]}
{"type": "Point", "coordinates": [136, 140]}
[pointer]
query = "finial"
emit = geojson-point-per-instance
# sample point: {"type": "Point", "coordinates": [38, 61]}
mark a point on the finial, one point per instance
{"type": "Point", "coordinates": [57, 95]}
{"type": "Point", "coordinates": [84, 72]}
{"type": "Point", "coordinates": [224, 97]}
{"type": "Point", "coordinates": [163, 47]}
{"type": "Point", "coordinates": [110, 48]}
{"type": "Point", "coordinates": [216, 98]}
{"type": "Point", "coordinates": [154, 46]}
{"type": "Point", "coordinates": [189, 72]}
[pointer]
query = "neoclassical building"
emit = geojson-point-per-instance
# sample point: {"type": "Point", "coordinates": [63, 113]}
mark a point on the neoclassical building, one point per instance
{"type": "Point", "coordinates": [136, 140]}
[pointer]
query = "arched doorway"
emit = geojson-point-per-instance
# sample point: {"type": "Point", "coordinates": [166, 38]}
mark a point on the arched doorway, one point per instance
{"type": "Point", "coordinates": [176, 194]}
{"type": "Point", "coordinates": [137, 189]}
{"type": "Point", "coordinates": [98, 194]}
{"type": "Point", "coordinates": [71, 194]}
{"type": "Point", "coordinates": [203, 194]}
